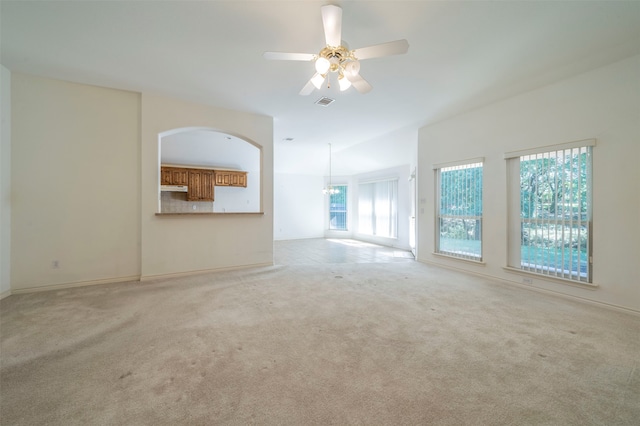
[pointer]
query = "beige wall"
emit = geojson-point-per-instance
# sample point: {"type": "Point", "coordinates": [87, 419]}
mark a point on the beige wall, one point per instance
{"type": "Point", "coordinates": [5, 182]}
{"type": "Point", "coordinates": [76, 183]}
{"type": "Point", "coordinates": [603, 104]}
{"type": "Point", "coordinates": [84, 172]}
{"type": "Point", "coordinates": [184, 244]}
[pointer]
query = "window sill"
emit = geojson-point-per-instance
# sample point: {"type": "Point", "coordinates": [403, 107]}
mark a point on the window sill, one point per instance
{"type": "Point", "coordinates": [447, 256]}
{"type": "Point", "coordinates": [579, 284]}
{"type": "Point", "coordinates": [210, 214]}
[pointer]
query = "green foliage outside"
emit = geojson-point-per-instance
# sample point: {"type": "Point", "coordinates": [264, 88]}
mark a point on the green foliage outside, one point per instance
{"type": "Point", "coordinates": [338, 209]}
{"type": "Point", "coordinates": [461, 211]}
{"type": "Point", "coordinates": [555, 187]}
{"type": "Point", "coordinates": [554, 200]}
{"type": "Point", "coordinates": [461, 192]}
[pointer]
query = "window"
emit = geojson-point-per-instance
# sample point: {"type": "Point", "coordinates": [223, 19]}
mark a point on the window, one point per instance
{"type": "Point", "coordinates": [550, 211]}
{"type": "Point", "coordinates": [378, 208]}
{"type": "Point", "coordinates": [459, 210]}
{"type": "Point", "coordinates": [338, 209]}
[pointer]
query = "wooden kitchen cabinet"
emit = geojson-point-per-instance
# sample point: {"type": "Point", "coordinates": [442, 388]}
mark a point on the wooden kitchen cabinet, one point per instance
{"type": "Point", "coordinates": [180, 177]}
{"type": "Point", "coordinates": [222, 178]}
{"type": "Point", "coordinates": [201, 184]}
{"type": "Point", "coordinates": [174, 176]}
{"type": "Point", "coordinates": [230, 178]}
{"type": "Point", "coordinates": [165, 176]}
{"type": "Point", "coordinates": [239, 179]}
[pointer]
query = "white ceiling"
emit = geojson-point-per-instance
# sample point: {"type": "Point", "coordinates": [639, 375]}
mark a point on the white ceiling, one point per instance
{"type": "Point", "coordinates": [462, 54]}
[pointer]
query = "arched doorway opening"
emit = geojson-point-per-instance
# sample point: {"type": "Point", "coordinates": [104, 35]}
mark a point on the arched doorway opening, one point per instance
{"type": "Point", "coordinates": [199, 157]}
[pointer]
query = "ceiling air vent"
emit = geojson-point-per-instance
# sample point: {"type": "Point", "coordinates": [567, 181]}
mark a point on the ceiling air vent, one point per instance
{"type": "Point", "coordinates": [324, 101]}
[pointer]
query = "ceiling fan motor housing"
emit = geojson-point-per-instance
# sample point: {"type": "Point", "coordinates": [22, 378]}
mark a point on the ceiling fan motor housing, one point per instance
{"type": "Point", "coordinates": [336, 56]}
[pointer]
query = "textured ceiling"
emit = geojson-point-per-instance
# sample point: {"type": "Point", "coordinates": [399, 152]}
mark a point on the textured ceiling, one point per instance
{"type": "Point", "coordinates": [462, 55]}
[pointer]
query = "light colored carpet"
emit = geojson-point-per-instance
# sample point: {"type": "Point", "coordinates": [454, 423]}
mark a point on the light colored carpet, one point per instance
{"type": "Point", "coordinates": [369, 343]}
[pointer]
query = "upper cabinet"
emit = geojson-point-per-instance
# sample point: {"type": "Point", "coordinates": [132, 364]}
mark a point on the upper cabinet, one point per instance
{"type": "Point", "coordinates": [231, 178]}
{"type": "Point", "coordinates": [174, 176]}
{"type": "Point", "coordinates": [200, 185]}
{"type": "Point", "coordinates": [200, 182]}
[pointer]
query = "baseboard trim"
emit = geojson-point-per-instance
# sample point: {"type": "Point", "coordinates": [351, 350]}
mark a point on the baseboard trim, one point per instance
{"type": "Point", "coordinates": [605, 305]}
{"type": "Point", "coordinates": [128, 278]}
{"type": "Point", "coordinates": [202, 271]}
{"type": "Point", "coordinates": [75, 284]}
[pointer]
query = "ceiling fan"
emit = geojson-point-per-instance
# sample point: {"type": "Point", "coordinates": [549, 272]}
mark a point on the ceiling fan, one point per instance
{"type": "Point", "coordinates": [336, 57]}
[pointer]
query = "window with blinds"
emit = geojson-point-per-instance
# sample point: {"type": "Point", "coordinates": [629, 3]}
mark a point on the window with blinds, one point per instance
{"type": "Point", "coordinates": [378, 208]}
{"type": "Point", "coordinates": [550, 226]}
{"type": "Point", "coordinates": [338, 208]}
{"type": "Point", "coordinates": [459, 210]}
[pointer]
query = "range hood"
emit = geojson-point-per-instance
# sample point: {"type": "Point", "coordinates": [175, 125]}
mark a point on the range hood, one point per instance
{"type": "Point", "coordinates": [173, 188]}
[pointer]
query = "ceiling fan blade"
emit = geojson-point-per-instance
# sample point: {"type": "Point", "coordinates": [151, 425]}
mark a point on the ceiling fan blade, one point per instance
{"type": "Point", "coordinates": [359, 83]}
{"type": "Point", "coordinates": [385, 49]}
{"type": "Point", "coordinates": [332, 21]}
{"type": "Point", "coordinates": [307, 89]}
{"type": "Point", "coordinates": [282, 56]}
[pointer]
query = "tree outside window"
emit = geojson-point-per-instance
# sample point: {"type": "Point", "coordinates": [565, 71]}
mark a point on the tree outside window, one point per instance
{"type": "Point", "coordinates": [460, 211]}
{"type": "Point", "coordinates": [555, 213]}
{"type": "Point", "coordinates": [338, 209]}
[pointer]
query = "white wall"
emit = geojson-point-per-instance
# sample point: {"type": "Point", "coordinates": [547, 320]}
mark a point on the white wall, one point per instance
{"type": "Point", "coordinates": [191, 243]}
{"type": "Point", "coordinates": [75, 183]}
{"type": "Point", "coordinates": [389, 150]}
{"type": "Point", "coordinates": [389, 155]}
{"type": "Point", "coordinates": [603, 104]}
{"type": "Point", "coordinates": [298, 207]}
{"type": "Point", "coordinates": [5, 182]}
{"type": "Point", "coordinates": [301, 210]}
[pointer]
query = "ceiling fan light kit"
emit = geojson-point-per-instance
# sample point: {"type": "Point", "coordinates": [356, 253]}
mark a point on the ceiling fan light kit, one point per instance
{"type": "Point", "coordinates": [344, 83]}
{"type": "Point", "coordinates": [336, 57]}
{"type": "Point", "coordinates": [322, 65]}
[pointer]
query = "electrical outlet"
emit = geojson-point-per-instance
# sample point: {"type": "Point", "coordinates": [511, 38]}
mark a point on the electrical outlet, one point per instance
{"type": "Point", "coordinates": [55, 264]}
{"type": "Point", "coordinates": [526, 280]}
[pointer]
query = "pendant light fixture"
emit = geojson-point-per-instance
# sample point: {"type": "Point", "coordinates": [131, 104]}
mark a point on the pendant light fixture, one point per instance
{"type": "Point", "coordinates": [330, 190]}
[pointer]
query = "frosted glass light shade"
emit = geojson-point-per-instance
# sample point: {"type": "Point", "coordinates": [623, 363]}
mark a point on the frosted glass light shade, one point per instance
{"type": "Point", "coordinates": [344, 83]}
{"type": "Point", "coordinates": [322, 65]}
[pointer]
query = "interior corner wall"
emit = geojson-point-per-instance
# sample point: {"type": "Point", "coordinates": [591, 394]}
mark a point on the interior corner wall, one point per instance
{"type": "Point", "coordinates": [5, 182]}
{"type": "Point", "coordinates": [298, 206]}
{"type": "Point", "coordinates": [389, 155]}
{"type": "Point", "coordinates": [75, 184]}
{"type": "Point", "coordinates": [182, 244]}
{"type": "Point", "coordinates": [393, 149]}
{"type": "Point", "coordinates": [603, 104]}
